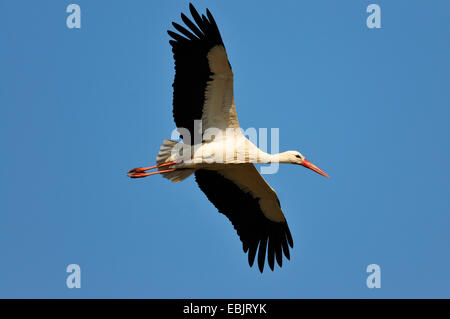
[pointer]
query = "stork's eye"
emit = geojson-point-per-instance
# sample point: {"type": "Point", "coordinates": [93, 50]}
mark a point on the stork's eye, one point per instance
{"type": "Point", "coordinates": [298, 156]}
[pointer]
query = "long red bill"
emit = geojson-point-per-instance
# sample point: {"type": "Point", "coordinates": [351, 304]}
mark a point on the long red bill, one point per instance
{"type": "Point", "coordinates": [313, 167]}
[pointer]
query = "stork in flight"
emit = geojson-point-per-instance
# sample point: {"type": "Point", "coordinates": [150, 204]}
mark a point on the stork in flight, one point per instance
{"type": "Point", "coordinates": [222, 163]}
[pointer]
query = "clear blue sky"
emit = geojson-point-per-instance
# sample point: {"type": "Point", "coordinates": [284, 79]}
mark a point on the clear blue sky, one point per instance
{"type": "Point", "coordinates": [78, 108]}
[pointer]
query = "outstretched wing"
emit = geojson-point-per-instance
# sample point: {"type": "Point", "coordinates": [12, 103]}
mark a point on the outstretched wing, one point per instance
{"type": "Point", "coordinates": [240, 193]}
{"type": "Point", "coordinates": [203, 84]}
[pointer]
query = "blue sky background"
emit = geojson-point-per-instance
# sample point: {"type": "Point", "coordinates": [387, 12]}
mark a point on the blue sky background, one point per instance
{"type": "Point", "coordinates": [78, 108]}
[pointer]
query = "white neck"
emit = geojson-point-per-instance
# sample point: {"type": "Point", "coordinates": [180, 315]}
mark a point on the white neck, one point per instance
{"type": "Point", "coordinates": [274, 158]}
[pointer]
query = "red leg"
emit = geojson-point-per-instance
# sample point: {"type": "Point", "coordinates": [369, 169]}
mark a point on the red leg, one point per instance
{"type": "Point", "coordinates": [138, 175]}
{"type": "Point", "coordinates": [143, 169]}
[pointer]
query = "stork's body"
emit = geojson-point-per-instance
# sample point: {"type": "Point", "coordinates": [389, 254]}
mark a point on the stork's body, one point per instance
{"type": "Point", "coordinates": [222, 158]}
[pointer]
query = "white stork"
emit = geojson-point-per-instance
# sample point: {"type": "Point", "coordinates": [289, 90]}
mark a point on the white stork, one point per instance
{"type": "Point", "coordinates": [223, 163]}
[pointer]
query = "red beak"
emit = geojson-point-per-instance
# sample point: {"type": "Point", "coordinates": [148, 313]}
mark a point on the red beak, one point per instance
{"type": "Point", "coordinates": [310, 165]}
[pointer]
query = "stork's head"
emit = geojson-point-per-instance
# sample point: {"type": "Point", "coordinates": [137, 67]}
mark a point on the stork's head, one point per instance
{"type": "Point", "coordinates": [295, 157]}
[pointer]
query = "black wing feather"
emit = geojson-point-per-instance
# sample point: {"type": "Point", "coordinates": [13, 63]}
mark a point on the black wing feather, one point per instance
{"type": "Point", "coordinates": [196, 16]}
{"type": "Point", "coordinates": [191, 26]}
{"type": "Point", "coordinates": [185, 32]}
